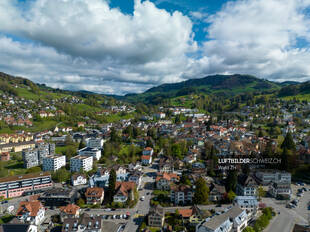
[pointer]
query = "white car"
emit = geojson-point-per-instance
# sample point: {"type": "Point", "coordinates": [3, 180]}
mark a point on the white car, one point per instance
{"type": "Point", "coordinates": [142, 198]}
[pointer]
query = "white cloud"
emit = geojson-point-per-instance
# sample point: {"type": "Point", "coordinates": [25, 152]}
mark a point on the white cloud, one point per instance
{"type": "Point", "coordinates": [259, 37]}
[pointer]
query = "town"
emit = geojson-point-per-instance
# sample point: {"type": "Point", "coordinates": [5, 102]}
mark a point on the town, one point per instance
{"type": "Point", "coordinates": [168, 168]}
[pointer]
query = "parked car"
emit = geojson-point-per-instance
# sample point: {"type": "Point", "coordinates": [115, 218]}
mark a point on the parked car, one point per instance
{"type": "Point", "coordinates": [142, 198]}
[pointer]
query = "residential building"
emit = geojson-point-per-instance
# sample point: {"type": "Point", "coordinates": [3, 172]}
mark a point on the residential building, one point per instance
{"type": "Point", "coordinates": [280, 190]}
{"type": "Point", "coordinates": [124, 191]}
{"type": "Point", "coordinates": [69, 211]}
{"type": "Point", "coordinates": [135, 177]}
{"type": "Point", "coordinates": [156, 216]}
{"type": "Point", "coordinates": [88, 151]}
{"type": "Point", "coordinates": [148, 151]}
{"type": "Point", "coordinates": [234, 219]}
{"type": "Point", "coordinates": [30, 158]}
{"type": "Point", "coordinates": [266, 177]}
{"type": "Point", "coordinates": [53, 163]}
{"type": "Point", "coordinates": [5, 156]}
{"type": "Point", "coordinates": [247, 203]}
{"type": "Point", "coordinates": [246, 186]}
{"type": "Point", "coordinates": [146, 160]}
{"type": "Point", "coordinates": [94, 143]}
{"type": "Point", "coordinates": [166, 164]}
{"type": "Point", "coordinates": [94, 195]}
{"type": "Point", "coordinates": [78, 179]}
{"type": "Point", "coordinates": [17, 147]}
{"type": "Point", "coordinates": [216, 192]}
{"type": "Point", "coordinates": [58, 197]}
{"type": "Point", "coordinates": [181, 194]}
{"type": "Point", "coordinates": [16, 186]}
{"type": "Point", "coordinates": [81, 163]}
{"type": "Point", "coordinates": [163, 180]}
{"type": "Point", "coordinates": [84, 223]}
{"type": "Point", "coordinates": [32, 212]}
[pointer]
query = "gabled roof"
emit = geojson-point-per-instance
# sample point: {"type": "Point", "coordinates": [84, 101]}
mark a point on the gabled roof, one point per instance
{"type": "Point", "coordinates": [70, 209]}
{"type": "Point", "coordinates": [31, 207]}
{"type": "Point", "coordinates": [94, 192]}
{"type": "Point", "coordinates": [124, 188]}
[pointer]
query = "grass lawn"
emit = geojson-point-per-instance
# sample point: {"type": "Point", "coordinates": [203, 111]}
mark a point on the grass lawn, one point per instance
{"type": "Point", "coordinates": [6, 218]}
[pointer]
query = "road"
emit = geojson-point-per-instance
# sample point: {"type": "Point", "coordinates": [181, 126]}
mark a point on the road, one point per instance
{"type": "Point", "coordinates": [285, 221]}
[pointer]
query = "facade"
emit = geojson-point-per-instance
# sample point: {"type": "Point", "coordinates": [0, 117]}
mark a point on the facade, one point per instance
{"type": "Point", "coordinates": [247, 203]}
{"type": "Point", "coordinates": [17, 147]}
{"type": "Point", "coordinates": [234, 219]}
{"type": "Point", "coordinates": [94, 195]}
{"type": "Point", "coordinates": [94, 142]}
{"type": "Point", "coordinates": [5, 156]}
{"type": "Point", "coordinates": [146, 159]}
{"type": "Point", "coordinates": [247, 186]}
{"type": "Point", "coordinates": [81, 163]}
{"type": "Point", "coordinates": [88, 151]}
{"type": "Point", "coordinates": [163, 180]}
{"type": "Point", "coordinates": [78, 179]}
{"type": "Point", "coordinates": [69, 211]}
{"type": "Point", "coordinates": [53, 163]}
{"type": "Point", "coordinates": [124, 191]}
{"type": "Point", "coordinates": [181, 194]}
{"type": "Point", "coordinates": [216, 192]}
{"type": "Point", "coordinates": [58, 197]}
{"type": "Point", "coordinates": [16, 186]}
{"type": "Point", "coordinates": [31, 212]}
{"type": "Point", "coordinates": [269, 176]}
{"type": "Point", "coordinates": [156, 216]}
{"type": "Point", "coordinates": [30, 158]}
{"type": "Point", "coordinates": [148, 151]}
{"type": "Point", "coordinates": [280, 190]}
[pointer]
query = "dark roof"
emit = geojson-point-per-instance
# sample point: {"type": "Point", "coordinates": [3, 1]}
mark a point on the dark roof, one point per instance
{"type": "Point", "coordinates": [14, 228]}
{"type": "Point", "coordinates": [25, 176]}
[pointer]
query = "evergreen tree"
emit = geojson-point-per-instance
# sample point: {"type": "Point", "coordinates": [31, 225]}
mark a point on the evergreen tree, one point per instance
{"type": "Point", "coordinates": [201, 194]}
{"type": "Point", "coordinates": [288, 142]}
{"type": "Point", "coordinates": [81, 145]}
{"type": "Point", "coordinates": [184, 179]}
{"type": "Point", "coordinates": [268, 152]}
{"type": "Point", "coordinates": [284, 159]}
{"type": "Point", "coordinates": [112, 183]}
{"type": "Point", "coordinates": [231, 181]}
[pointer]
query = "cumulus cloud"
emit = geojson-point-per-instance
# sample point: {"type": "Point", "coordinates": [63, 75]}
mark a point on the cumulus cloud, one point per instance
{"type": "Point", "coordinates": [79, 44]}
{"type": "Point", "coordinates": [259, 37]}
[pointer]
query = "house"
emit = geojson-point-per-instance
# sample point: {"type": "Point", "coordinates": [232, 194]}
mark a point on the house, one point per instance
{"type": "Point", "coordinates": [124, 191]}
{"type": "Point", "coordinates": [247, 203]}
{"type": "Point", "coordinates": [156, 216]}
{"type": "Point", "coordinates": [31, 212]}
{"type": "Point", "coordinates": [78, 179]}
{"type": "Point", "coordinates": [94, 195]}
{"type": "Point", "coordinates": [81, 124]}
{"type": "Point", "coordinates": [69, 211]}
{"type": "Point", "coordinates": [266, 177]}
{"type": "Point", "coordinates": [146, 160]}
{"type": "Point", "coordinates": [84, 223]}
{"type": "Point", "coordinates": [246, 186]}
{"type": "Point", "coordinates": [163, 180]}
{"type": "Point", "coordinates": [181, 194]}
{"type": "Point", "coordinates": [216, 192]}
{"type": "Point", "coordinates": [88, 151]}
{"type": "Point", "coordinates": [135, 177]}
{"type": "Point", "coordinates": [148, 151]}
{"type": "Point", "coordinates": [160, 115]}
{"type": "Point", "coordinates": [94, 142]}
{"type": "Point", "coordinates": [166, 164]}
{"type": "Point", "coordinates": [234, 219]}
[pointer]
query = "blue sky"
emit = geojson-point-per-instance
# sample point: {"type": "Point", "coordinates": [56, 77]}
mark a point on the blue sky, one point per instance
{"type": "Point", "coordinates": [126, 46]}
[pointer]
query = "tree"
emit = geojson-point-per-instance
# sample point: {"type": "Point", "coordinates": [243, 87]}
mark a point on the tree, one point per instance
{"type": "Point", "coordinates": [284, 159]}
{"type": "Point", "coordinates": [231, 195]}
{"type": "Point", "coordinates": [114, 136]}
{"type": "Point", "coordinates": [80, 202]}
{"type": "Point", "coordinates": [112, 183]}
{"type": "Point", "coordinates": [184, 179]}
{"type": "Point", "coordinates": [288, 142]}
{"type": "Point", "coordinates": [61, 175]}
{"type": "Point", "coordinates": [231, 181]}
{"type": "Point", "coordinates": [81, 145]}
{"type": "Point", "coordinates": [260, 192]}
{"type": "Point", "coordinates": [248, 229]}
{"type": "Point", "coordinates": [201, 194]}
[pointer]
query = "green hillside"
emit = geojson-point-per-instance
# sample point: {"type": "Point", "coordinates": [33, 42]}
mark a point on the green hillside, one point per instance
{"type": "Point", "coordinates": [220, 85]}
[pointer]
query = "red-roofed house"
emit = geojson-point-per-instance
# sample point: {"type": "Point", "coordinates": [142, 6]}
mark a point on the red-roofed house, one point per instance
{"type": "Point", "coordinates": [94, 195]}
{"type": "Point", "coordinates": [31, 211]}
{"type": "Point", "coordinates": [146, 159]}
{"type": "Point", "coordinates": [124, 191]}
{"type": "Point", "coordinates": [163, 180]}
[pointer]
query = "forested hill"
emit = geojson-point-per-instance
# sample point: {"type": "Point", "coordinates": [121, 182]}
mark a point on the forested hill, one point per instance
{"type": "Point", "coordinates": [222, 85]}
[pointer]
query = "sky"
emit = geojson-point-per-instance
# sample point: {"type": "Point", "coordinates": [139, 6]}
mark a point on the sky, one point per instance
{"type": "Point", "coordinates": [129, 46]}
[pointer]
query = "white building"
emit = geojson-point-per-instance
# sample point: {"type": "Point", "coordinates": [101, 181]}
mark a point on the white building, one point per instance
{"type": "Point", "coordinates": [81, 163]}
{"type": "Point", "coordinates": [31, 212]}
{"type": "Point", "coordinates": [160, 115]}
{"type": "Point", "coordinates": [78, 179]}
{"type": "Point", "coordinates": [234, 219]}
{"type": "Point", "coordinates": [248, 203]}
{"type": "Point", "coordinates": [94, 142]}
{"type": "Point", "coordinates": [53, 163]}
{"type": "Point", "coordinates": [88, 151]}
{"type": "Point", "coordinates": [267, 177]}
